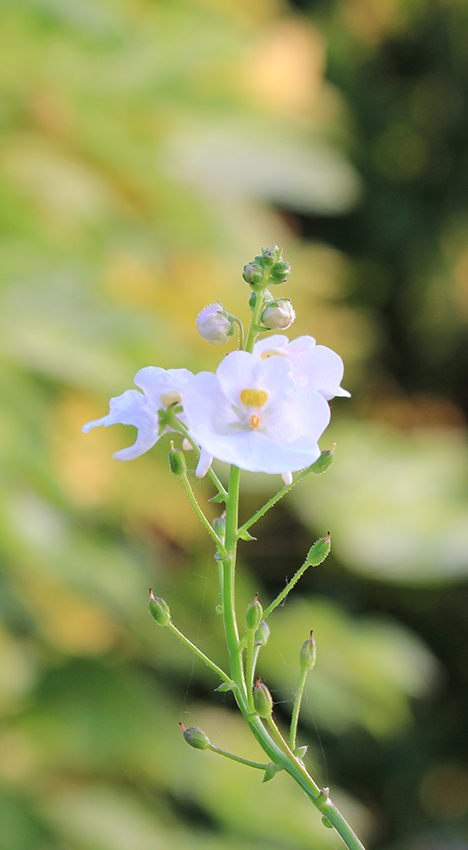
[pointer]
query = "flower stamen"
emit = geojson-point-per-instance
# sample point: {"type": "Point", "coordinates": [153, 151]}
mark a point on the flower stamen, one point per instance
{"type": "Point", "coordinates": [254, 421]}
{"type": "Point", "coordinates": [171, 397]}
{"type": "Point", "coordinates": [253, 398]}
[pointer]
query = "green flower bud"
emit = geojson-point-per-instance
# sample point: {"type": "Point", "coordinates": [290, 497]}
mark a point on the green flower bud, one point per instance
{"type": "Point", "coordinates": [159, 609]}
{"type": "Point", "coordinates": [195, 737]}
{"type": "Point", "coordinates": [177, 461]}
{"type": "Point", "coordinates": [308, 653]}
{"type": "Point", "coordinates": [271, 255]}
{"type": "Point", "coordinates": [253, 614]}
{"type": "Point", "coordinates": [325, 460]}
{"type": "Point", "coordinates": [319, 551]}
{"type": "Point", "coordinates": [253, 273]}
{"type": "Point", "coordinates": [279, 272]}
{"type": "Point", "coordinates": [262, 699]}
{"type": "Point", "coordinates": [262, 634]}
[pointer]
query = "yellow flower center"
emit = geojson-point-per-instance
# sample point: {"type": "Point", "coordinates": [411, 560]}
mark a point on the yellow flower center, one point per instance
{"type": "Point", "coordinates": [171, 397]}
{"type": "Point", "coordinates": [254, 421]}
{"type": "Point", "coordinates": [253, 398]}
{"type": "Point", "coordinates": [270, 353]}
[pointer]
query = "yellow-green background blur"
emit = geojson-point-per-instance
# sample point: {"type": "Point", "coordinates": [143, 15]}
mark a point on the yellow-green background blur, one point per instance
{"type": "Point", "coordinates": [148, 149]}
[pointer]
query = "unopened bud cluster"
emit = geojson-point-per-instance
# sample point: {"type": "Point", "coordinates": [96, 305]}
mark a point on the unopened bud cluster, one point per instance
{"type": "Point", "coordinates": [267, 267]}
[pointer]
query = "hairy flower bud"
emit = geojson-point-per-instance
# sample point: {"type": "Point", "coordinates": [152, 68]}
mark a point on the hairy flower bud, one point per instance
{"type": "Point", "coordinates": [271, 255]}
{"type": "Point", "coordinates": [214, 324]}
{"type": "Point", "coordinates": [308, 653]}
{"type": "Point", "coordinates": [253, 614]}
{"type": "Point", "coordinates": [279, 272]}
{"type": "Point", "coordinates": [262, 634]}
{"type": "Point", "coordinates": [278, 315]}
{"type": "Point", "coordinates": [177, 461]}
{"type": "Point", "coordinates": [325, 460]}
{"type": "Point", "coordinates": [253, 272]}
{"type": "Point", "coordinates": [159, 609]}
{"type": "Point", "coordinates": [319, 551]}
{"type": "Point", "coordinates": [195, 737]}
{"type": "Point", "coordinates": [262, 699]}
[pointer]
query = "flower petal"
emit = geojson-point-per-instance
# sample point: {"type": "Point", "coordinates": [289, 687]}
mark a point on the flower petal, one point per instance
{"type": "Point", "coordinates": [131, 408]}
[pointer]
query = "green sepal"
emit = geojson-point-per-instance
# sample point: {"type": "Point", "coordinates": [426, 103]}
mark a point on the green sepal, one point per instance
{"type": "Point", "coordinates": [262, 634]}
{"type": "Point", "coordinates": [253, 615]}
{"type": "Point", "coordinates": [220, 497]}
{"type": "Point", "coordinates": [300, 752]}
{"type": "Point", "coordinates": [224, 687]}
{"type": "Point", "coordinates": [262, 699]}
{"type": "Point", "coordinates": [270, 771]}
{"type": "Point", "coordinates": [319, 551]}
{"type": "Point", "coordinates": [324, 461]}
{"type": "Point", "coordinates": [195, 737]}
{"type": "Point", "coordinates": [159, 610]}
{"type": "Point", "coordinates": [308, 653]}
{"type": "Point", "coordinates": [244, 535]}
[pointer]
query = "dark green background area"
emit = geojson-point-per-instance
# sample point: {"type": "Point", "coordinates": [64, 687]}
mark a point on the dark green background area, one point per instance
{"type": "Point", "coordinates": [148, 150]}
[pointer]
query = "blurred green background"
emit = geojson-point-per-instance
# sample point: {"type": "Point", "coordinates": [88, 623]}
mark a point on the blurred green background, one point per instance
{"type": "Point", "coordinates": [148, 149]}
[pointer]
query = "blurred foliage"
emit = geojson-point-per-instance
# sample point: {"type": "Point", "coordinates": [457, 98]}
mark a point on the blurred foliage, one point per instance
{"type": "Point", "coordinates": [148, 150]}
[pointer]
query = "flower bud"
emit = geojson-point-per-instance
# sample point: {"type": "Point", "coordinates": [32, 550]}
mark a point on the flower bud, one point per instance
{"type": "Point", "coordinates": [262, 634]}
{"type": "Point", "coordinates": [195, 737]}
{"type": "Point", "coordinates": [262, 699]}
{"type": "Point", "coordinates": [214, 324]}
{"type": "Point", "coordinates": [325, 460]}
{"type": "Point", "coordinates": [177, 461]}
{"type": "Point", "coordinates": [253, 615]}
{"type": "Point", "coordinates": [159, 609]}
{"type": "Point", "coordinates": [279, 272]}
{"type": "Point", "coordinates": [308, 653]}
{"type": "Point", "coordinates": [271, 255]}
{"type": "Point", "coordinates": [253, 272]}
{"type": "Point", "coordinates": [319, 551]}
{"type": "Point", "coordinates": [278, 315]}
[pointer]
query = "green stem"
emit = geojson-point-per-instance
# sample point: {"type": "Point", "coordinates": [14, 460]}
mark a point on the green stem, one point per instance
{"type": "Point", "coordinates": [249, 668]}
{"type": "Point", "coordinates": [240, 329]}
{"type": "Point", "coordinates": [297, 708]}
{"type": "Point", "coordinates": [229, 566]}
{"type": "Point", "coordinates": [247, 762]}
{"type": "Point", "coordinates": [286, 590]}
{"type": "Point", "coordinates": [200, 514]}
{"type": "Point", "coordinates": [199, 653]}
{"type": "Point", "coordinates": [274, 499]}
{"type": "Point", "coordinates": [256, 312]}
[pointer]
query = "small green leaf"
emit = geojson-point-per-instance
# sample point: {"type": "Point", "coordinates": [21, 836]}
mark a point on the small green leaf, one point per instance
{"type": "Point", "coordinates": [300, 752]}
{"type": "Point", "coordinates": [220, 497]}
{"type": "Point", "coordinates": [270, 771]}
{"type": "Point", "coordinates": [224, 686]}
{"type": "Point", "coordinates": [244, 535]}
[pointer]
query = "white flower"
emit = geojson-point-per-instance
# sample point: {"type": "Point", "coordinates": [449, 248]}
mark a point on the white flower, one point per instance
{"type": "Point", "coordinates": [314, 366]}
{"type": "Point", "coordinates": [252, 414]}
{"type": "Point", "coordinates": [213, 324]}
{"type": "Point", "coordinates": [160, 389]}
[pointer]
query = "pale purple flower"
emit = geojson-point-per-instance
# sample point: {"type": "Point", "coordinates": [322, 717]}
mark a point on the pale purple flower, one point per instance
{"type": "Point", "coordinates": [161, 388]}
{"type": "Point", "coordinates": [251, 413]}
{"type": "Point", "coordinates": [314, 366]}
